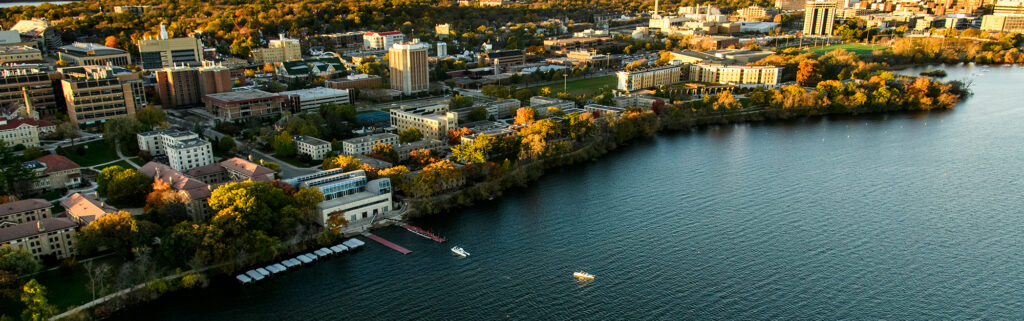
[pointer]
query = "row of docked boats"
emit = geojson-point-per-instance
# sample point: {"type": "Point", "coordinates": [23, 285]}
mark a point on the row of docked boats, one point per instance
{"type": "Point", "coordinates": [261, 273]}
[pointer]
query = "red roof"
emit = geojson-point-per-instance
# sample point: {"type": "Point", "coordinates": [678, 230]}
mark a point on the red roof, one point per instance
{"type": "Point", "coordinates": [56, 163]}
{"type": "Point", "coordinates": [17, 122]}
{"type": "Point", "coordinates": [389, 33]}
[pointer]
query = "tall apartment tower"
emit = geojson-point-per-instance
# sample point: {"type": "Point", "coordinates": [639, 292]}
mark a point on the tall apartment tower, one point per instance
{"type": "Point", "coordinates": [185, 86]}
{"type": "Point", "coordinates": [408, 62]}
{"type": "Point", "coordinates": [96, 93]}
{"type": "Point", "coordinates": [442, 49]}
{"type": "Point", "coordinates": [819, 18]}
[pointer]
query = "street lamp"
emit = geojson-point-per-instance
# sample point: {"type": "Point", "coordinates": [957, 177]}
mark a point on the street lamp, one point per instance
{"type": "Point", "coordinates": [565, 83]}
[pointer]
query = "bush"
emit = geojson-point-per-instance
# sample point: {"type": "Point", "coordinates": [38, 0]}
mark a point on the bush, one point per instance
{"type": "Point", "coordinates": [19, 147]}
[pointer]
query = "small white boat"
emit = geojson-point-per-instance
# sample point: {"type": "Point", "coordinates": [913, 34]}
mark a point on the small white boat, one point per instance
{"type": "Point", "coordinates": [583, 275]}
{"type": "Point", "coordinates": [459, 251]}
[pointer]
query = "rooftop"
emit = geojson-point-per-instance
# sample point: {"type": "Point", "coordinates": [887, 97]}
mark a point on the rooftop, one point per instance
{"type": "Point", "coordinates": [248, 168]}
{"type": "Point", "coordinates": [23, 206]}
{"type": "Point", "coordinates": [317, 92]}
{"type": "Point", "coordinates": [56, 163]}
{"type": "Point", "coordinates": [242, 95]}
{"type": "Point", "coordinates": [86, 207]}
{"type": "Point", "coordinates": [81, 49]}
{"type": "Point", "coordinates": [27, 229]}
{"type": "Point", "coordinates": [311, 140]}
{"type": "Point", "coordinates": [369, 138]}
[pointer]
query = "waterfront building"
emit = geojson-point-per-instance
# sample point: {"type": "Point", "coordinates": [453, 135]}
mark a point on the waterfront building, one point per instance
{"type": "Point", "coordinates": [650, 77]}
{"type": "Point", "coordinates": [736, 74]}
{"type": "Point", "coordinates": [436, 146]}
{"type": "Point", "coordinates": [45, 237]}
{"type": "Point", "coordinates": [30, 86]}
{"type": "Point", "coordinates": [184, 149]}
{"type": "Point", "coordinates": [27, 210]}
{"type": "Point", "coordinates": [498, 109]}
{"type": "Point", "coordinates": [363, 145]}
{"type": "Point", "coordinates": [355, 81]}
{"type": "Point", "coordinates": [86, 208]}
{"type": "Point", "coordinates": [168, 52]}
{"type": "Point", "coordinates": [94, 94]}
{"type": "Point", "coordinates": [279, 50]}
{"type": "Point", "coordinates": [41, 32]}
{"type": "Point", "coordinates": [311, 99]}
{"type": "Point", "coordinates": [86, 53]}
{"type": "Point", "coordinates": [819, 18]}
{"type": "Point", "coordinates": [432, 122]}
{"type": "Point", "coordinates": [314, 147]}
{"type": "Point", "coordinates": [54, 172]}
{"type": "Point", "coordinates": [347, 193]}
{"type": "Point", "coordinates": [20, 54]}
{"type": "Point", "coordinates": [409, 70]}
{"type": "Point", "coordinates": [1010, 23]}
{"type": "Point", "coordinates": [135, 10]}
{"type": "Point", "coordinates": [564, 46]}
{"type": "Point", "coordinates": [196, 185]}
{"type": "Point", "coordinates": [230, 106]}
{"type": "Point", "coordinates": [382, 40]}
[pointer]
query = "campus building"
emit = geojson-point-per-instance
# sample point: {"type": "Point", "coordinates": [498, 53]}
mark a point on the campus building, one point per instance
{"type": "Point", "coordinates": [312, 98]}
{"type": "Point", "coordinates": [1010, 23]}
{"type": "Point", "coordinates": [234, 105]}
{"type": "Point", "coordinates": [502, 58]}
{"type": "Point", "coordinates": [23, 211]}
{"type": "Point", "coordinates": [23, 131]}
{"type": "Point", "coordinates": [363, 145]}
{"type": "Point", "coordinates": [564, 46]}
{"type": "Point", "coordinates": [53, 172]}
{"type": "Point", "coordinates": [86, 208]}
{"type": "Point", "coordinates": [409, 70]}
{"type": "Point", "coordinates": [185, 86]}
{"type": "Point", "coordinates": [498, 109]}
{"type": "Point", "coordinates": [196, 185]}
{"type": "Point", "coordinates": [736, 74]}
{"type": "Point", "coordinates": [348, 193]}
{"type": "Point", "coordinates": [432, 121]}
{"type": "Point", "coordinates": [819, 18]}
{"type": "Point", "coordinates": [184, 149]}
{"type": "Point", "coordinates": [382, 40]}
{"type": "Point", "coordinates": [168, 52]}
{"type": "Point", "coordinates": [649, 78]}
{"type": "Point", "coordinates": [282, 49]}
{"type": "Point", "coordinates": [94, 94]}
{"type": "Point", "coordinates": [355, 81]}
{"type": "Point", "coordinates": [86, 53]}
{"type": "Point", "coordinates": [314, 147]}
{"type": "Point", "coordinates": [44, 237]}
{"type": "Point", "coordinates": [20, 54]}
{"type": "Point", "coordinates": [32, 86]}
{"type": "Point", "coordinates": [41, 32]}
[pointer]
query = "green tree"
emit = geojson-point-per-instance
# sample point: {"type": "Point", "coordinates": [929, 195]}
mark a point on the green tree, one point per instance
{"type": "Point", "coordinates": [37, 308]}
{"type": "Point", "coordinates": [523, 95]}
{"type": "Point", "coordinates": [226, 144]}
{"type": "Point", "coordinates": [459, 102]}
{"type": "Point", "coordinates": [17, 261]}
{"type": "Point", "coordinates": [475, 152]}
{"type": "Point", "coordinates": [123, 186]}
{"type": "Point", "coordinates": [14, 179]}
{"type": "Point", "coordinates": [283, 144]}
{"type": "Point", "coordinates": [151, 118]}
{"type": "Point", "coordinates": [478, 114]}
{"type": "Point", "coordinates": [121, 130]}
{"type": "Point", "coordinates": [409, 135]}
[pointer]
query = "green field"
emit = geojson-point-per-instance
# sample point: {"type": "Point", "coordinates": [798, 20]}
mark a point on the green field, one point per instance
{"type": "Point", "coordinates": [860, 49]}
{"type": "Point", "coordinates": [583, 86]}
{"type": "Point", "coordinates": [95, 152]}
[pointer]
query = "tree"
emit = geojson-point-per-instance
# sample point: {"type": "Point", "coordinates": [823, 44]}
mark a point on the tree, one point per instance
{"type": "Point", "coordinates": [121, 129]}
{"type": "Point", "coordinates": [436, 177]}
{"type": "Point", "coordinates": [345, 162]}
{"type": "Point", "coordinates": [14, 178]}
{"type": "Point", "coordinates": [524, 95]}
{"type": "Point", "coordinates": [385, 152]}
{"type": "Point", "coordinates": [33, 153]}
{"type": "Point", "coordinates": [336, 221]}
{"type": "Point", "coordinates": [726, 100]}
{"type": "Point", "coordinates": [123, 186]}
{"type": "Point", "coordinates": [226, 144]}
{"type": "Point", "coordinates": [111, 41]}
{"type": "Point", "coordinates": [525, 115]}
{"type": "Point", "coordinates": [459, 102]}
{"type": "Point", "coordinates": [17, 261]}
{"type": "Point", "coordinates": [116, 231]}
{"type": "Point", "coordinates": [68, 130]}
{"type": "Point", "coordinates": [37, 308]}
{"type": "Point", "coordinates": [283, 145]}
{"type": "Point", "coordinates": [478, 114]}
{"type": "Point", "coordinates": [151, 118]}
{"type": "Point", "coordinates": [454, 136]}
{"type": "Point", "coordinates": [475, 152]}
{"type": "Point", "coordinates": [809, 73]}
{"type": "Point", "coordinates": [412, 134]}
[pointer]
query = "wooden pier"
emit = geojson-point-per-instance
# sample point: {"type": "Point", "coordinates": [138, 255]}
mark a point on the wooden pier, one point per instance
{"type": "Point", "coordinates": [387, 243]}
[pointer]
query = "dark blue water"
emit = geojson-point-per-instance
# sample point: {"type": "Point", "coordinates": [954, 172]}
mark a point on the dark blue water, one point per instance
{"type": "Point", "coordinates": [903, 216]}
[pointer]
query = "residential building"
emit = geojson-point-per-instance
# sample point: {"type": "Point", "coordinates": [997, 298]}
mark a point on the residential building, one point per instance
{"type": "Point", "coordinates": [314, 147]}
{"type": "Point", "coordinates": [94, 94]}
{"type": "Point", "coordinates": [1004, 7]}
{"type": "Point", "coordinates": [196, 185]}
{"type": "Point", "coordinates": [279, 50]}
{"type": "Point", "coordinates": [231, 106]}
{"type": "Point", "coordinates": [23, 131]}
{"type": "Point", "coordinates": [436, 146]}
{"type": "Point", "coordinates": [819, 18]}
{"type": "Point", "coordinates": [409, 70]}
{"type": "Point", "coordinates": [31, 85]}
{"type": "Point", "coordinates": [564, 46]}
{"type": "Point", "coordinates": [23, 211]}
{"type": "Point", "coordinates": [356, 81]}
{"type": "Point", "coordinates": [311, 99]}
{"type": "Point", "coordinates": [649, 78]}
{"type": "Point", "coordinates": [432, 122]}
{"type": "Point", "coordinates": [45, 237]}
{"type": "Point", "coordinates": [752, 13]}
{"type": "Point", "coordinates": [168, 52]}
{"type": "Point", "coordinates": [363, 145]}
{"type": "Point", "coordinates": [382, 40]}
{"type": "Point", "coordinates": [502, 59]}
{"type": "Point", "coordinates": [20, 54]}
{"type": "Point", "coordinates": [86, 53]}
{"type": "Point", "coordinates": [326, 68]}
{"type": "Point", "coordinates": [1011, 23]}
{"type": "Point", "coordinates": [443, 30]}
{"type": "Point", "coordinates": [348, 193]}
{"type": "Point", "coordinates": [135, 10]}
{"type": "Point", "coordinates": [790, 5]}
{"type": "Point", "coordinates": [86, 208]}
{"type": "Point", "coordinates": [736, 74]}
{"type": "Point", "coordinates": [184, 149]}
{"type": "Point", "coordinates": [183, 86]}
{"type": "Point", "coordinates": [54, 172]}
{"type": "Point", "coordinates": [41, 32]}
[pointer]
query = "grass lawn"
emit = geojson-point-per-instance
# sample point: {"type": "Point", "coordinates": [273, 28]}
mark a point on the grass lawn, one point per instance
{"type": "Point", "coordinates": [70, 287]}
{"type": "Point", "coordinates": [51, 195]}
{"type": "Point", "coordinates": [584, 86]}
{"type": "Point", "coordinates": [121, 163]}
{"type": "Point", "coordinates": [294, 161]}
{"type": "Point", "coordinates": [96, 152]}
{"type": "Point", "coordinates": [860, 49]}
{"type": "Point", "coordinates": [137, 161]}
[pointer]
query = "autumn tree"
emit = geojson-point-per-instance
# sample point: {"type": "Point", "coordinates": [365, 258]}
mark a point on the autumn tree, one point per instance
{"type": "Point", "coordinates": [37, 307]}
{"type": "Point", "coordinates": [809, 73]}
{"type": "Point", "coordinates": [725, 100]}
{"type": "Point", "coordinates": [411, 134]}
{"type": "Point", "coordinates": [454, 136]}
{"type": "Point", "coordinates": [384, 152]}
{"type": "Point", "coordinates": [336, 221]}
{"type": "Point", "coordinates": [119, 232]}
{"type": "Point", "coordinates": [421, 157]}
{"type": "Point", "coordinates": [475, 152]}
{"type": "Point", "coordinates": [525, 115]}
{"type": "Point", "coordinates": [346, 162]}
{"type": "Point", "coordinates": [436, 177]}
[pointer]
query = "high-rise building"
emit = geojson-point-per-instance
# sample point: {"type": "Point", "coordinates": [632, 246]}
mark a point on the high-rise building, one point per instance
{"type": "Point", "coordinates": [31, 85]}
{"type": "Point", "coordinates": [408, 62]}
{"type": "Point", "coordinates": [1003, 23]}
{"type": "Point", "coordinates": [94, 94]}
{"type": "Point", "coordinates": [442, 50]}
{"type": "Point", "coordinates": [168, 52]}
{"type": "Point", "coordinates": [185, 86]}
{"type": "Point", "coordinates": [819, 17]}
{"type": "Point", "coordinates": [279, 50]}
{"type": "Point", "coordinates": [1008, 7]}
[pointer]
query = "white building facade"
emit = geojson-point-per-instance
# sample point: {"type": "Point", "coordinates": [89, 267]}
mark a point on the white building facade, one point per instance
{"type": "Point", "coordinates": [363, 145]}
{"type": "Point", "coordinates": [314, 147]}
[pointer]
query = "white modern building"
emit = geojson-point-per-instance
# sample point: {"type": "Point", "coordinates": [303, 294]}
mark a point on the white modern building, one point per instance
{"type": "Point", "coordinates": [363, 145]}
{"type": "Point", "coordinates": [382, 40]}
{"type": "Point", "coordinates": [184, 149]}
{"type": "Point", "coordinates": [313, 98]}
{"type": "Point", "coordinates": [349, 194]}
{"type": "Point", "coordinates": [432, 122]}
{"type": "Point", "coordinates": [314, 147]}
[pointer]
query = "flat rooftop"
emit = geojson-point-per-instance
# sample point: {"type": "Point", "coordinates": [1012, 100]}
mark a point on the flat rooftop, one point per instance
{"type": "Point", "coordinates": [311, 140]}
{"type": "Point", "coordinates": [369, 138]}
{"type": "Point", "coordinates": [316, 92]}
{"type": "Point", "coordinates": [242, 95]}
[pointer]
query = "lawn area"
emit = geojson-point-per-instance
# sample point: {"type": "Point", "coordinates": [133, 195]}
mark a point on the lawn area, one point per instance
{"type": "Point", "coordinates": [860, 49]}
{"type": "Point", "coordinates": [94, 153]}
{"type": "Point", "coordinates": [295, 162]}
{"type": "Point", "coordinates": [51, 195]}
{"type": "Point", "coordinates": [121, 163]}
{"type": "Point", "coordinates": [583, 86]}
{"type": "Point", "coordinates": [70, 287]}
{"type": "Point", "coordinates": [137, 161]}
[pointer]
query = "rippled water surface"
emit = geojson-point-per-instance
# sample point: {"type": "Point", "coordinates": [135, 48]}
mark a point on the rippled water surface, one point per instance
{"type": "Point", "coordinates": [871, 217]}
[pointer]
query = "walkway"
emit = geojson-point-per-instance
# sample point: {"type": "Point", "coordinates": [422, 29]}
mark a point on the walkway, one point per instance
{"type": "Point", "coordinates": [387, 243]}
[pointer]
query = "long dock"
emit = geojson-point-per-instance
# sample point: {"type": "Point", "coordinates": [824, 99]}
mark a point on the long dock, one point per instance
{"type": "Point", "coordinates": [387, 243]}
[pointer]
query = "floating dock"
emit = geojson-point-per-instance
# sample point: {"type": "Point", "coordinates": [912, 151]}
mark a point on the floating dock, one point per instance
{"type": "Point", "coordinates": [261, 273]}
{"type": "Point", "coordinates": [423, 233]}
{"type": "Point", "coordinates": [387, 243]}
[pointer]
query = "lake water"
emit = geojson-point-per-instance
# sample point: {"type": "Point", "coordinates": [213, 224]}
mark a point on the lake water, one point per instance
{"type": "Point", "coordinates": [15, 4]}
{"type": "Point", "coordinates": [901, 216]}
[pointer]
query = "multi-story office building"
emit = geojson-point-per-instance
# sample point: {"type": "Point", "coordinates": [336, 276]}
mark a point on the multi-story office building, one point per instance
{"type": "Point", "coordinates": [348, 193]}
{"type": "Point", "coordinates": [409, 70]}
{"type": "Point", "coordinates": [44, 237]}
{"type": "Point", "coordinates": [502, 59]}
{"type": "Point", "coordinates": [649, 78]}
{"type": "Point", "coordinates": [85, 53]}
{"type": "Point", "coordinates": [54, 172]}
{"type": "Point", "coordinates": [20, 54]}
{"type": "Point", "coordinates": [168, 52]}
{"type": "Point", "coordinates": [1003, 23]}
{"type": "Point", "coordinates": [136, 10]}
{"type": "Point", "coordinates": [736, 75]}
{"type": "Point", "coordinates": [41, 32]}
{"type": "Point", "coordinates": [790, 5]}
{"type": "Point", "coordinates": [23, 131]}
{"type": "Point", "coordinates": [443, 30]}
{"type": "Point", "coordinates": [23, 211]}
{"type": "Point", "coordinates": [282, 49]}
{"type": "Point", "coordinates": [184, 149]}
{"type": "Point", "coordinates": [312, 98]}
{"type": "Point", "coordinates": [314, 147]}
{"type": "Point", "coordinates": [94, 94]}
{"type": "Point", "coordinates": [31, 85]}
{"type": "Point", "coordinates": [363, 145]}
{"type": "Point", "coordinates": [356, 81]}
{"type": "Point", "coordinates": [186, 86]}
{"type": "Point", "coordinates": [382, 40]}
{"type": "Point", "coordinates": [819, 17]}
{"type": "Point", "coordinates": [564, 46]}
{"type": "Point", "coordinates": [230, 106]}
{"type": "Point", "coordinates": [433, 123]}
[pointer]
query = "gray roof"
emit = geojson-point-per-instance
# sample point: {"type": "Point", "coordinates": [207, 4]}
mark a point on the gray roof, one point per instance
{"type": "Point", "coordinates": [23, 206]}
{"type": "Point", "coordinates": [242, 95]}
{"type": "Point", "coordinates": [311, 140]}
{"type": "Point", "coordinates": [42, 226]}
{"type": "Point", "coordinates": [87, 49]}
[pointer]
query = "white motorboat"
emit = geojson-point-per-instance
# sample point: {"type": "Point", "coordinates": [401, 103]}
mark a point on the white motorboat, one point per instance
{"type": "Point", "coordinates": [583, 275]}
{"type": "Point", "coordinates": [460, 251]}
